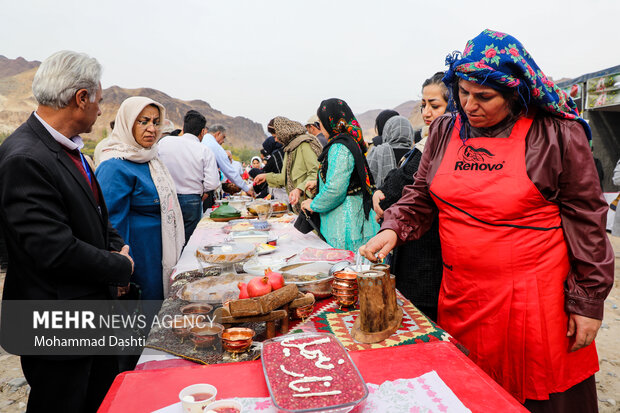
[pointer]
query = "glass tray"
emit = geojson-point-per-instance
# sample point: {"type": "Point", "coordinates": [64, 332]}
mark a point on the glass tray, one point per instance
{"type": "Point", "coordinates": [353, 380]}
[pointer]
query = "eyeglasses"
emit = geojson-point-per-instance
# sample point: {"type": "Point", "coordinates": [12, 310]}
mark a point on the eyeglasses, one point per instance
{"type": "Point", "coordinates": [145, 123]}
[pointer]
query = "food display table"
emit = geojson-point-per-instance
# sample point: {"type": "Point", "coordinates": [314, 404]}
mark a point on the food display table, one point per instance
{"type": "Point", "coordinates": [327, 316]}
{"type": "Point", "coordinates": [160, 376]}
{"type": "Point", "coordinates": [145, 391]}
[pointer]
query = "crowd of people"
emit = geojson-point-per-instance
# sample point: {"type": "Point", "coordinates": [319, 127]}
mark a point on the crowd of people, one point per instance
{"type": "Point", "coordinates": [490, 216]}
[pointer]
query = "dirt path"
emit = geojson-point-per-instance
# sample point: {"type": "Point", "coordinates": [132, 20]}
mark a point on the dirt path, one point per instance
{"type": "Point", "coordinates": [14, 389]}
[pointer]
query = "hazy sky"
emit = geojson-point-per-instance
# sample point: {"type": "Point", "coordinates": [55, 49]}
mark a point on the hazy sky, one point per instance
{"type": "Point", "coordinates": [260, 59]}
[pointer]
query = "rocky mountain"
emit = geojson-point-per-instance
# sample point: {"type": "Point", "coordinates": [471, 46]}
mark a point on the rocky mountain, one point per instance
{"type": "Point", "coordinates": [241, 131]}
{"type": "Point", "coordinates": [409, 109]}
{"type": "Point", "coordinates": [10, 67]}
{"type": "Point", "coordinates": [17, 102]}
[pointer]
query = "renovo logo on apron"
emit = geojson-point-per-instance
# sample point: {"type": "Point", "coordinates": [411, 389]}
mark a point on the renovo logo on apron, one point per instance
{"type": "Point", "coordinates": [473, 159]}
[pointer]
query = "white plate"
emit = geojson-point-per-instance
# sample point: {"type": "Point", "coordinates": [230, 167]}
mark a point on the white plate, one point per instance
{"type": "Point", "coordinates": [257, 266]}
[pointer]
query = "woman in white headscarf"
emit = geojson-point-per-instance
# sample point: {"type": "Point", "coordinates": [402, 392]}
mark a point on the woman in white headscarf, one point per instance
{"type": "Point", "coordinates": [397, 141]}
{"type": "Point", "coordinates": [140, 194]}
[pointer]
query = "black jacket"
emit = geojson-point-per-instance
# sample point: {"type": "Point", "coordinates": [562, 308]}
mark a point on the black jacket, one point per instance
{"type": "Point", "coordinates": [58, 239]}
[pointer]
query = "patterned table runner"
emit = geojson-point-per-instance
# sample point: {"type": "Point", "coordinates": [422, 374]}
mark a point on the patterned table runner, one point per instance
{"type": "Point", "coordinates": [415, 327]}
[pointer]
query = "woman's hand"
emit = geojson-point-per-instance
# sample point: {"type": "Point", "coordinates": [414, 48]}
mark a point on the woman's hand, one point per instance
{"type": "Point", "coordinates": [584, 329]}
{"type": "Point", "coordinates": [310, 186]}
{"type": "Point", "coordinates": [293, 197]}
{"type": "Point", "coordinates": [379, 246]}
{"type": "Point", "coordinates": [377, 197]}
{"type": "Point", "coordinates": [259, 179]}
{"type": "Point", "coordinates": [306, 205]}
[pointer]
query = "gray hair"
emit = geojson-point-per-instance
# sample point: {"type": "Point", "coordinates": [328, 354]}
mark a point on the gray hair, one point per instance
{"type": "Point", "coordinates": [62, 74]}
{"type": "Point", "coordinates": [213, 129]}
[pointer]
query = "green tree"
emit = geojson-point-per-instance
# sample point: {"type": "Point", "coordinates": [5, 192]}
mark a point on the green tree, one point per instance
{"type": "Point", "coordinates": [243, 154]}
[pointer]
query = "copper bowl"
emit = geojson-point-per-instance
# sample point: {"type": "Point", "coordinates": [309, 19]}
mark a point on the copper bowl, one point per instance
{"type": "Point", "coordinates": [345, 276]}
{"type": "Point", "coordinates": [346, 300]}
{"type": "Point", "coordinates": [180, 327]}
{"type": "Point", "coordinates": [237, 339]}
{"type": "Point", "coordinates": [339, 293]}
{"type": "Point", "coordinates": [346, 294]}
{"type": "Point", "coordinates": [196, 308]}
{"type": "Point", "coordinates": [341, 287]}
{"type": "Point", "coordinates": [303, 312]}
{"type": "Point", "coordinates": [343, 284]}
{"type": "Point", "coordinates": [347, 289]}
{"type": "Point", "coordinates": [206, 335]}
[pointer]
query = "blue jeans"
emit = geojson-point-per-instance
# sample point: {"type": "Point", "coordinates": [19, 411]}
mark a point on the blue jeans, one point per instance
{"type": "Point", "coordinates": [191, 207]}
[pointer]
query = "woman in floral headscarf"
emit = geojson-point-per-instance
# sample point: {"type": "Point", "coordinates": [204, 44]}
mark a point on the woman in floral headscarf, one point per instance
{"type": "Point", "coordinates": [527, 262]}
{"type": "Point", "coordinates": [344, 200]}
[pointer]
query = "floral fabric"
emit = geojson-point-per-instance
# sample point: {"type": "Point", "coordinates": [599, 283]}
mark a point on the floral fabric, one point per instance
{"type": "Point", "coordinates": [344, 222]}
{"type": "Point", "coordinates": [500, 61]}
{"type": "Point", "coordinates": [337, 118]}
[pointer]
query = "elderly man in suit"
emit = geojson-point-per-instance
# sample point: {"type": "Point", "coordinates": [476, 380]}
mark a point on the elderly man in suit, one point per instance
{"type": "Point", "coordinates": [55, 222]}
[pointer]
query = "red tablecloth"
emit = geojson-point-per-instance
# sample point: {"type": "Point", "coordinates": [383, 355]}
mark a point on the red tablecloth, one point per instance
{"type": "Point", "coordinates": [148, 390]}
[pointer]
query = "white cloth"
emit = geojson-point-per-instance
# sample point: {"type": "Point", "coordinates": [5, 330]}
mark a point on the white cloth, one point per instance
{"type": "Point", "coordinates": [122, 145]}
{"type": "Point", "coordinates": [427, 393]}
{"type": "Point", "coordinates": [191, 164]}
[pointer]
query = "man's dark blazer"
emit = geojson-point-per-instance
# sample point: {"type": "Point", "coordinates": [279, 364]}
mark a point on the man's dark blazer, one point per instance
{"type": "Point", "coordinates": [58, 238]}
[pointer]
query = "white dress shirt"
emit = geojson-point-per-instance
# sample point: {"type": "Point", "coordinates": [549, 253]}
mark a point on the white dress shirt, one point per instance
{"type": "Point", "coordinates": [239, 167]}
{"type": "Point", "coordinates": [72, 143]}
{"type": "Point", "coordinates": [224, 163]}
{"type": "Point", "coordinates": [191, 164]}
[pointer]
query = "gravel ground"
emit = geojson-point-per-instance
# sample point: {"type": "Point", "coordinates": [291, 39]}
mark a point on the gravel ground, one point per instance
{"type": "Point", "coordinates": [14, 389]}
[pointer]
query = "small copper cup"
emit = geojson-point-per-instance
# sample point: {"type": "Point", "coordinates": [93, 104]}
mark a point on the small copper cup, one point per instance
{"type": "Point", "coordinates": [180, 328]}
{"type": "Point", "coordinates": [343, 284]}
{"type": "Point", "coordinates": [304, 312]}
{"type": "Point", "coordinates": [344, 288]}
{"type": "Point", "coordinates": [197, 309]}
{"type": "Point", "coordinates": [206, 335]}
{"type": "Point", "coordinates": [237, 340]}
{"type": "Point", "coordinates": [346, 300]}
{"type": "Point", "coordinates": [381, 267]}
{"type": "Point", "coordinates": [345, 276]}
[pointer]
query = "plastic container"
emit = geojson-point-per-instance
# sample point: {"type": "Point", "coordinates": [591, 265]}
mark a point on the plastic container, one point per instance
{"type": "Point", "coordinates": [253, 237]}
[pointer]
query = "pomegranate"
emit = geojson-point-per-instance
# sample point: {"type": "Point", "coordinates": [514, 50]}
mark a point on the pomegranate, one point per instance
{"type": "Point", "coordinates": [243, 290]}
{"type": "Point", "coordinates": [275, 279]}
{"type": "Point", "coordinates": [259, 286]}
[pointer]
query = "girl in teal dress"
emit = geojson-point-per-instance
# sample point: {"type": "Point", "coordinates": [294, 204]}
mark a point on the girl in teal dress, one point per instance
{"type": "Point", "coordinates": [344, 199]}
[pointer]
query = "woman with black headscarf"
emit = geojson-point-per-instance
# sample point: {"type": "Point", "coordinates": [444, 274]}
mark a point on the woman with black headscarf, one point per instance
{"type": "Point", "coordinates": [382, 118]}
{"type": "Point", "coordinates": [344, 200]}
